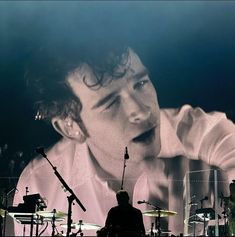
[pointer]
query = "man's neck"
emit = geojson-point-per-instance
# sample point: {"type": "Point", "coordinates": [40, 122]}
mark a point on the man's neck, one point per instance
{"type": "Point", "coordinates": [112, 170]}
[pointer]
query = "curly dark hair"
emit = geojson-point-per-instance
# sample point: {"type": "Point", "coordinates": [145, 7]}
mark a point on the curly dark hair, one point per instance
{"type": "Point", "coordinates": [50, 65]}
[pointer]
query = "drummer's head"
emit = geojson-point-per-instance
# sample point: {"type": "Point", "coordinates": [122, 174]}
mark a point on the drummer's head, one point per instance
{"type": "Point", "coordinates": [122, 197]}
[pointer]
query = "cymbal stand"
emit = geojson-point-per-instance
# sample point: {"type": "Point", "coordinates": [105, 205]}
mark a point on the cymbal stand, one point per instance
{"type": "Point", "coordinates": [158, 222]}
{"type": "Point", "coordinates": [80, 228]}
{"type": "Point", "coordinates": [204, 224]}
{"type": "Point", "coordinates": [53, 223]}
{"type": "Point", "coordinates": [151, 232]}
{"type": "Point", "coordinates": [204, 217]}
{"type": "Point", "coordinates": [225, 214]}
{"type": "Point", "coordinates": [157, 219]}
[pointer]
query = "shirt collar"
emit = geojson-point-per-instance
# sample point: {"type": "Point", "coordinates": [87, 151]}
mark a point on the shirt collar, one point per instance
{"type": "Point", "coordinates": [170, 143]}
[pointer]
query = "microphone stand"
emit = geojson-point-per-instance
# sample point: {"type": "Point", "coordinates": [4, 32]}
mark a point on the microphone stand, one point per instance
{"type": "Point", "coordinates": [204, 217]}
{"type": "Point", "coordinates": [70, 198]}
{"type": "Point", "coordinates": [123, 173]}
{"type": "Point", "coordinates": [126, 157]}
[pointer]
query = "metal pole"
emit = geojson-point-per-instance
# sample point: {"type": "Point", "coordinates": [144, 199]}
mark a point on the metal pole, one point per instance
{"type": "Point", "coordinates": [216, 203]}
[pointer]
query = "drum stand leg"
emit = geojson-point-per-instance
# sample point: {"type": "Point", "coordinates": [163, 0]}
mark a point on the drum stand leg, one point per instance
{"type": "Point", "coordinates": [204, 224]}
{"type": "Point", "coordinates": [158, 226]}
{"type": "Point", "coordinates": [194, 229]}
{"type": "Point", "coordinates": [151, 232]}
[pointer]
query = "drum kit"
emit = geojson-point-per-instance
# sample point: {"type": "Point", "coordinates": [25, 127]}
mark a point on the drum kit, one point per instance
{"type": "Point", "coordinates": [158, 214]}
{"type": "Point", "coordinates": [32, 212]}
{"type": "Point", "coordinates": [20, 214]}
{"type": "Point", "coordinates": [201, 216]}
{"type": "Point", "coordinates": [42, 217]}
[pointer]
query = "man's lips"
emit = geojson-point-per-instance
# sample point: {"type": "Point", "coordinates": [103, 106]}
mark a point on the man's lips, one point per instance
{"type": "Point", "coordinates": [146, 136]}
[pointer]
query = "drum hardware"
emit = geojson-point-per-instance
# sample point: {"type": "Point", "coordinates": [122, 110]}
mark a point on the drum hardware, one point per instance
{"type": "Point", "coordinates": [194, 219]}
{"type": "Point", "coordinates": [161, 213]}
{"type": "Point", "coordinates": [52, 216]}
{"type": "Point", "coordinates": [206, 214]}
{"type": "Point", "coordinates": [157, 213]}
{"type": "Point", "coordinates": [81, 226]}
{"type": "Point", "coordinates": [49, 215]}
{"type": "Point", "coordinates": [225, 204]}
{"type": "Point", "coordinates": [72, 197]}
{"type": "Point", "coordinates": [154, 232]}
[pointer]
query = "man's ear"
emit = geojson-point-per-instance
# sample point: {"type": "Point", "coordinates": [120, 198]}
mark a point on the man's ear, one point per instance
{"type": "Point", "coordinates": [68, 128]}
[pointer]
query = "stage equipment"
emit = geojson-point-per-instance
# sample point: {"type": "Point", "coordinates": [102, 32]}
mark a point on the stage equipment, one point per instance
{"type": "Point", "coordinates": [159, 213]}
{"type": "Point", "coordinates": [126, 157]}
{"type": "Point", "coordinates": [48, 215]}
{"type": "Point", "coordinates": [82, 226]}
{"type": "Point", "coordinates": [70, 198]}
{"type": "Point", "coordinates": [206, 214]}
{"type": "Point", "coordinates": [25, 213]}
{"type": "Point", "coordinates": [196, 184]}
{"type": "Point", "coordinates": [2, 212]}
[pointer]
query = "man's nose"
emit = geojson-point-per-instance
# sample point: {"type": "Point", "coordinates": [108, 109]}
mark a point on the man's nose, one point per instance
{"type": "Point", "coordinates": [137, 111]}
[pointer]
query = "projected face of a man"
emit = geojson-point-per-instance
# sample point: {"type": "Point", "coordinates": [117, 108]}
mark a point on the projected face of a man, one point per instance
{"type": "Point", "coordinates": [123, 113]}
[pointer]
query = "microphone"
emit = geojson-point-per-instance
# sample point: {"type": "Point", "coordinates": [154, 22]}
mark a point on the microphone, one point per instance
{"type": "Point", "coordinates": [40, 150]}
{"type": "Point", "coordinates": [141, 202]}
{"type": "Point", "coordinates": [126, 156]}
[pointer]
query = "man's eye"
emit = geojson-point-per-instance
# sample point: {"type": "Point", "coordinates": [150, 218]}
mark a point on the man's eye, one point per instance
{"type": "Point", "coordinates": [140, 84]}
{"type": "Point", "coordinates": [116, 101]}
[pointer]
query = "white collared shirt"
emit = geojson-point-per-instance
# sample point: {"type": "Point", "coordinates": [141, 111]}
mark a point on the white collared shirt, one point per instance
{"type": "Point", "coordinates": [190, 140]}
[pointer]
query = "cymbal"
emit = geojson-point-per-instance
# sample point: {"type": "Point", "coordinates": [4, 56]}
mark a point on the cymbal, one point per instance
{"type": "Point", "coordinates": [206, 214]}
{"type": "Point", "coordinates": [50, 214]}
{"type": "Point", "coordinates": [83, 226]}
{"type": "Point", "coordinates": [163, 213]}
{"type": "Point", "coordinates": [194, 219]}
{"type": "Point", "coordinates": [196, 222]}
{"type": "Point", "coordinates": [203, 216]}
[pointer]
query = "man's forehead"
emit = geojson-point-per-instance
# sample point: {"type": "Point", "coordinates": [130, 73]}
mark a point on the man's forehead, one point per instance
{"type": "Point", "coordinates": [84, 72]}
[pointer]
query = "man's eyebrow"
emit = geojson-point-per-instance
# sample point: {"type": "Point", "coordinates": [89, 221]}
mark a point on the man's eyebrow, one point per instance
{"type": "Point", "coordinates": [104, 100]}
{"type": "Point", "coordinates": [140, 74]}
